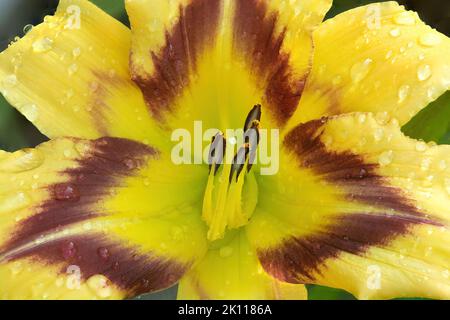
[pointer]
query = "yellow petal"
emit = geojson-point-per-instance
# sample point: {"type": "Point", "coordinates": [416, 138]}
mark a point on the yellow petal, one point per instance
{"type": "Point", "coordinates": [69, 76]}
{"type": "Point", "coordinates": [214, 60]}
{"type": "Point", "coordinates": [359, 206]}
{"type": "Point", "coordinates": [375, 58]}
{"type": "Point", "coordinates": [96, 219]}
{"type": "Point", "coordinates": [231, 270]}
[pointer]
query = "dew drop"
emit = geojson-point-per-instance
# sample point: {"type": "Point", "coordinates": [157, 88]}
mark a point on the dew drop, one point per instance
{"type": "Point", "coordinates": [403, 93]}
{"type": "Point", "coordinates": [14, 202]}
{"type": "Point", "coordinates": [430, 39]}
{"type": "Point", "coordinates": [67, 193]}
{"type": "Point", "coordinates": [360, 70]}
{"type": "Point", "coordinates": [432, 93]}
{"type": "Point", "coordinates": [442, 165]}
{"type": "Point", "coordinates": [395, 32]}
{"type": "Point", "coordinates": [42, 45]}
{"type": "Point", "coordinates": [405, 18]}
{"type": "Point", "coordinates": [22, 160]}
{"type": "Point", "coordinates": [73, 68]}
{"type": "Point", "coordinates": [378, 134]}
{"type": "Point", "coordinates": [10, 81]}
{"type": "Point", "coordinates": [103, 253]}
{"type": "Point", "coordinates": [76, 52]}
{"type": "Point", "coordinates": [423, 72]}
{"type": "Point", "coordinates": [27, 28]}
{"type": "Point", "coordinates": [421, 146]}
{"type": "Point", "coordinates": [100, 285]}
{"type": "Point", "coordinates": [68, 250]}
{"type": "Point", "coordinates": [386, 158]}
{"type": "Point", "coordinates": [30, 111]}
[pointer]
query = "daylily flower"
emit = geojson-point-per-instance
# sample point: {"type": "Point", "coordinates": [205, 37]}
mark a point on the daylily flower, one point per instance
{"type": "Point", "coordinates": [101, 211]}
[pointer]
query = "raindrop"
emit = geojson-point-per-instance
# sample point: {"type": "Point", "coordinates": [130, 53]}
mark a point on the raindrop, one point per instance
{"type": "Point", "coordinates": [103, 253]}
{"type": "Point", "coordinates": [68, 250]}
{"type": "Point", "coordinates": [432, 93]}
{"type": "Point", "coordinates": [27, 28]}
{"type": "Point", "coordinates": [442, 165]}
{"type": "Point", "coordinates": [10, 81]}
{"type": "Point", "coordinates": [430, 39]}
{"type": "Point", "coordinates": [23, 160]}
{"type": "Point", "coordinates": [14, 202]}
{"type": "Point", "coordinates": [386, 158]}
{"type": "Point", "coordinates": [423, 72]}
{"type": "Point", "coordinates": [405, 18]}
{"type": "Point", "coordinates": [31, 112]}
{"type": "Point", "coordinates": [395, 32]}
{"type": "Point", "coordinates": [66, 193]}
{"type": "Point", "coordinates": [403, 93]}
{"type": "Point", "coordinates": [99, 284]}
{"type": "Point", "coordinates": [421, 146]}
{"type": "Point", "coordinates": [42, 45]}
{"type": "Point", "coordinates": [73, 68]}
{"type": "Point", "coordinates": [360, 70]}
{"type": "Point", "coordinates": [76, 52]}
{"type": "Point", "coordinates": [378, 134]}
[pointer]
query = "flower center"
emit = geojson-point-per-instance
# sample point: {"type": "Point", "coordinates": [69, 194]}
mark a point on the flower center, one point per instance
{"type": "Point", "coordinates": [231, 192]}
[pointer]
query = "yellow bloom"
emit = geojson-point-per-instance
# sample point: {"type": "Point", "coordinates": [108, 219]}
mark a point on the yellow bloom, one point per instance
{"type": "Point", "coordinates": [101, 211]}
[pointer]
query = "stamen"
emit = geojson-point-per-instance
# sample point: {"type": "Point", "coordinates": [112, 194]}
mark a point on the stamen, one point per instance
{"type": "Point", "coordinates": [254, 114]}
{"type": "Point", "coordinates": [217, 152]}
{"type": "Point", "coordinates": [224, 205]}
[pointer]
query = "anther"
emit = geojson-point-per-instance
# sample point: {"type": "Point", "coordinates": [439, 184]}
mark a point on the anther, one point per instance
{"type": "Point", "coordinates": [216, 151]}
{"type": "Point", "coordinates": [254, 114]}
{"type": "Point", "coordinates": [239, 161]}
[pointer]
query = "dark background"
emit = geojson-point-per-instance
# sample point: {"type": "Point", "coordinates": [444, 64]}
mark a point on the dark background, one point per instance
{"type": "Point", "coordinates": [16, 132]}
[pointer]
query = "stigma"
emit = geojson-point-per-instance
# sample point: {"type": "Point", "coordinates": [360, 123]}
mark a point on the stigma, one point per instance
{"type": "Point", "coordinates": [231, 192]}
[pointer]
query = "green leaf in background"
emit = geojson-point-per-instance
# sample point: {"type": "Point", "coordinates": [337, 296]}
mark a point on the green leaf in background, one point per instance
{"type": "Point", "coordinates": [11, 137]}
{"type": "Point", "coordinates": [324, 293]}
{"type": "Point", "coordinates": [114, 7]}
{"type": "Point", "coordinates": [432, 123]}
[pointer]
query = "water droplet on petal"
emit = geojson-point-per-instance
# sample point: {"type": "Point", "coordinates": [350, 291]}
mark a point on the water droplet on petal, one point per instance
{"type": "Point", "coordinates": [442, 165]}
{"type": "Point", "coordinates": [30, 111]}
{"type": "Point", "coordinates": [66, 192]}
{"type": "Point", "coordinates": [103, 253]}
{"type": "Point", "coordinates": [68, 250]}
{"type": "Point", "coordinates": [10, 81]}
{"type": "Point", "coordinates": [22, 160]}
{"type": "Point", "coordinates": [42, 45]}
{"type": "Point", "coordinates": [423, 72]}
{"type": "Point", "coordinates": [421, 146]}
{"type": "Point", "coordinates": [360, 70]}
{"type": "Point", "coordinates": [395, 32]}
{"type": "Point", "coordinates": [405, 18]}
{"type": "Point", "coordinates": [430, 39]}
{"type": "Point", "coordinates": [73, 68]}
{"type": "Point", "coordinates": [27, 28]}
{"type": "Point", "coordinates": [15, 202]}
{"type": "Point", "coordinates": [432, 93]}
{"type": "Point", "coordinates": [76, 52]}
{"type": "Point", "coordinates": [386, 158]}
{"type": "Point", "coordinates": [403, 93]}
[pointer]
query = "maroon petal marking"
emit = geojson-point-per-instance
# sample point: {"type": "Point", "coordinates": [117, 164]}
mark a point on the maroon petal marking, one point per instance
{"type": "Point", "coordinates": [299, 259]}
{"type": "Point", "coordinates": [195, 30]}
{"type": "Point", "coordinates": [124, 265]}
{"type": "Point", "coordinates": [105, 165]}
{"type": "Point", "coordinates": [254, 36]}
